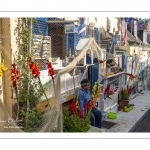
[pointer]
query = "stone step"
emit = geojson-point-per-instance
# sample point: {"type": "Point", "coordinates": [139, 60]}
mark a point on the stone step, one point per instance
{"type": "Point", "coordinates": [95, 129]}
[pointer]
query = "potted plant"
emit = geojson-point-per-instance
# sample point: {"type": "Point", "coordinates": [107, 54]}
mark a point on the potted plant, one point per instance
{"type": "Point", "coordinates": [74, 120]}
{"type": "Point", "coordinates": [125, 96]}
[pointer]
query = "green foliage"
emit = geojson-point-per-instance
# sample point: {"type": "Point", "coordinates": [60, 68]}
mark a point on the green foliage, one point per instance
{"type": "Point", "coordinates": [126, 92]}
{"type": "Point", "coordinates": [28, 89]}
{"type": "Point", "coordinates": [125, 95]}
{"type": "Point", "coordinates": [73, 123]}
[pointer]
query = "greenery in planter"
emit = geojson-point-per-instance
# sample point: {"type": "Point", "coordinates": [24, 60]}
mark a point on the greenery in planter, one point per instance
{"type": "Point", "coordinates": [25, 78]}
{"type": "Point", "coordinates": [126, 92]}
{"type": "Point", "coordinates": [73, 119]}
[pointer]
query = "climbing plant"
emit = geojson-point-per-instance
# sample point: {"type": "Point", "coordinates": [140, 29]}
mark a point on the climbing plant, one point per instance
{"type": "Point", "coordinates": [25, 78]}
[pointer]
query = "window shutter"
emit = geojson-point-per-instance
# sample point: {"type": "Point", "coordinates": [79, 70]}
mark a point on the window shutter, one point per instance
{"type": "Point", "coordinates": [40, 26]}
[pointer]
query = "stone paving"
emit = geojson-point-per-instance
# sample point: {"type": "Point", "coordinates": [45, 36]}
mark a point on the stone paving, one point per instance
{"type": "Point", "coordinates": [127, 121]}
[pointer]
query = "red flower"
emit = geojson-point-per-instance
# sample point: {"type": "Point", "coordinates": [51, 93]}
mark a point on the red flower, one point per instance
{"type": "Point", "coordinates": [115, 90]}
{"type": "Point", "coordinates": [88, 105]}
{"type": "Point", "coordinates": [49, 64]}
{"type": "Point", "coordinates": [80, 114]}
{"type": "Point", "coordinates": [107, 88]}
{"type": "Point", "coordinates": [34, 68]}
{"type": "Point", "coordinates": [73, 105]}
{"type": "Point", "coordinates": [50, 69]}
{"type": "Point", "coordinates": [35, 72]}
{"type": "Point", "coordinates": [130, 75]}
{"type": "Point", "coordinates": [14, 83]}
{"type": "Point", "coordinates": [13, 71]}
{"type": "Point", "coordinates": [17, 72]}
{"type": "Point", "coordinates": [14, 65]}
{"type": "Point", "coordinates": [101, 61]}
{"type": "Point", "coordinates": [14, 76]}
{"type": "Point", "coordinates": [30, 60]}
{"type": "Point", "coordinates": [130, 89]}
{"type": "Point", "coordinates": [93, 102]}
{"type": "Point", "coordinates": [110, 92]}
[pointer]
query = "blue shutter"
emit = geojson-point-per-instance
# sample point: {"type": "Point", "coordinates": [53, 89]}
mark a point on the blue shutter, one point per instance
{"type": "Point", "coordinates": [96, 35]}
{"type": "Point", "coordinates": [40, 26]}
{"type": "Point", "coordinates": [70, 40]}
{"type": "Point", "coordinates": [124, 61]}
{"type": "Point", "coordinates": [77, 37]}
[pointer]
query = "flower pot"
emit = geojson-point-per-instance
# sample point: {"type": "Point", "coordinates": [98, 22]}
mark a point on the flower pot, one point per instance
{"type": "Point", "coordinates": [123, 103]}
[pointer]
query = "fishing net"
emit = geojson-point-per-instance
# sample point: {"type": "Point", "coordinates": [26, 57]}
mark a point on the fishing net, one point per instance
{"type": "Point", "coordinates": [49, 44]}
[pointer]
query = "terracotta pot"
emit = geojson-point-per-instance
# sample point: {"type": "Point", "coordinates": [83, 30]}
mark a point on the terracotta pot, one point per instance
{"type": "Point", "coordinates": [123, 103]}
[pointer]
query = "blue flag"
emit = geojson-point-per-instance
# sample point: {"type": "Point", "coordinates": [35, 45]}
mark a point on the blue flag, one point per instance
{"type": "Point", "coordinates": [82, 28]}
